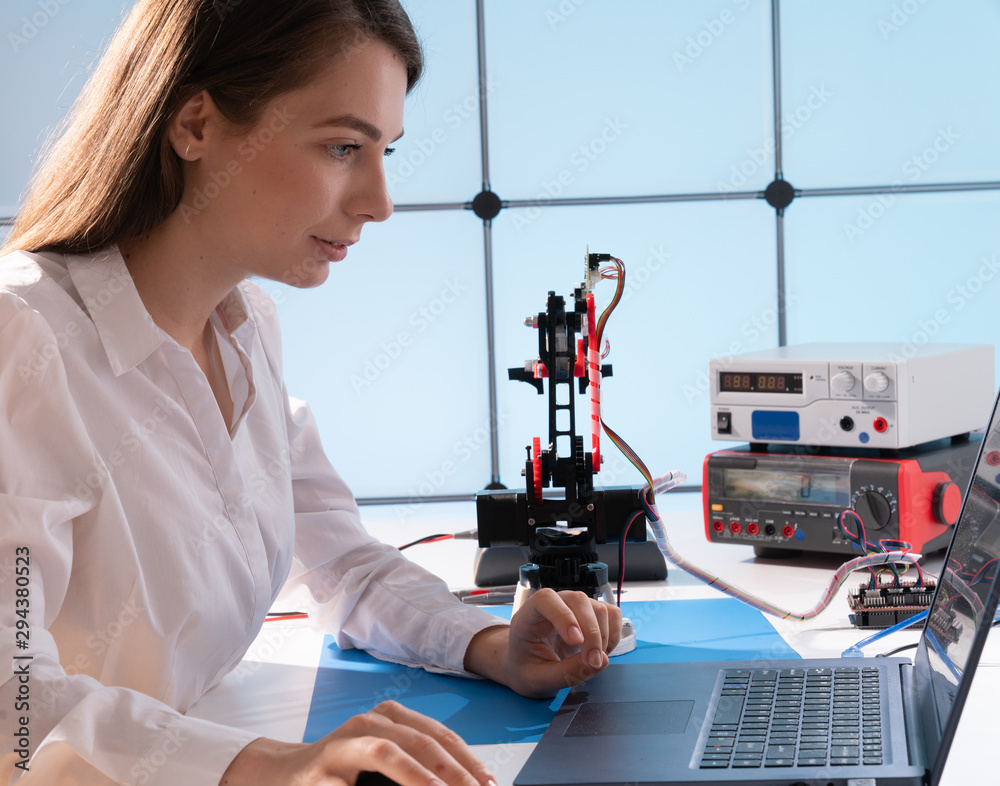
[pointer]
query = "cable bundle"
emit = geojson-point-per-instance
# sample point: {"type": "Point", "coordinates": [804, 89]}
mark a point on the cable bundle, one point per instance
{"type": "Point", "coordinates": [860, 541]}
{"type": "Point", "coordinates": [886, 555]}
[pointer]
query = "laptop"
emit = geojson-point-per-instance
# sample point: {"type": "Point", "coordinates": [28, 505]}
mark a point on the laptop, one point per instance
{"type": "Point", "coordinates": [861, 721]}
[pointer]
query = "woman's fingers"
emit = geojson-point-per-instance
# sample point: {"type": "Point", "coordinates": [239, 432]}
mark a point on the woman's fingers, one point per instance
{"type": "Point", "coordinates": [414, 749]}
{"type": "Point", "coordinates": [591, 626]}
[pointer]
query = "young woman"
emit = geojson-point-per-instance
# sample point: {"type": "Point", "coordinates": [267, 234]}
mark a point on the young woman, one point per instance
{"type": "Point", "coordinates": [158, 487]}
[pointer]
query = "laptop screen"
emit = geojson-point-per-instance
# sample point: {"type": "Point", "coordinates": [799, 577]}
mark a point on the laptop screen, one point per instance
{"type": "Point", "coordinates": [966, 597]}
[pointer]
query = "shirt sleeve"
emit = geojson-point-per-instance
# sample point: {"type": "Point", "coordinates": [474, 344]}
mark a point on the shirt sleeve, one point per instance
{"type": "Point", "coordinates": [60, 725]}
{"type": "Point", "coordinates": [364, 590]}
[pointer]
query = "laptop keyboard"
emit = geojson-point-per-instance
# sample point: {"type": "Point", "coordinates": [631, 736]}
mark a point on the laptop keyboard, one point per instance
{"type": "Point", "coordinates": [796, 717]}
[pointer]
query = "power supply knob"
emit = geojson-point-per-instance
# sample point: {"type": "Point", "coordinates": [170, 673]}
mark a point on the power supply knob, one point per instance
{"type": "Point", "coordinates": [874, 509]}
{"type": "Point", "coordinates": [843, 381]}
{"type": "Point", "coordinates": [947, 503]}
{"type": "Point", "coordinates": [876, 382]}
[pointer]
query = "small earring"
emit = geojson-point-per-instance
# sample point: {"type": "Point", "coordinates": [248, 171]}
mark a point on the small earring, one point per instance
{"type": "Point", "coordinates": [187, 150]}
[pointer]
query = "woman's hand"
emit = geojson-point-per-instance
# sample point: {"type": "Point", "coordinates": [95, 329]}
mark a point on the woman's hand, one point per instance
{"type": "Point", "coordinates": [554, 640]}
{"type": "Point", "coordinates": [410, 748]}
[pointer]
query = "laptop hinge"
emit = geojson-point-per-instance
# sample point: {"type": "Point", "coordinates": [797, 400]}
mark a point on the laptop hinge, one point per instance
{"type": "Point", "coordinates": [914, 732]}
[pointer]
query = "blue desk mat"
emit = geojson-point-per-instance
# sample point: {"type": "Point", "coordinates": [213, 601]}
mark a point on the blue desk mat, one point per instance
{"type": "Point", "coordinates": [349, 682]}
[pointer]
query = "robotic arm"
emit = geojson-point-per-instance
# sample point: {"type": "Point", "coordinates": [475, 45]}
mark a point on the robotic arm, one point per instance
{"type": "Point", "coordinates": [560, 511]}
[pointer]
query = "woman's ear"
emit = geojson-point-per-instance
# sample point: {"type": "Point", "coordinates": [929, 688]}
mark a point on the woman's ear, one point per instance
{"type": "Point", "coordinates": [187, 131]}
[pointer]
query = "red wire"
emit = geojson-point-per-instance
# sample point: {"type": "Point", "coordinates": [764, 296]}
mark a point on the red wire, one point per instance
{"type": "Point", "coordinates": [421, 541]}
{"type": "Point", "coordinates": [979, 575]}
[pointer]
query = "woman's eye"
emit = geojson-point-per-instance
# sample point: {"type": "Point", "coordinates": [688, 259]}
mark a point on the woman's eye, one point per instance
{"type": "Point", "coordinates": [389, 151]}
{"type": "Point", "coordinates": [342, 151]}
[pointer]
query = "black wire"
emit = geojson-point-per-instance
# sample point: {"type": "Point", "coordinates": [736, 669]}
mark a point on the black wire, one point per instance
{"type": "Point", "coordinates": [621, 555]}
{"type": "Point", "coordinates": [429, 537]}
{"type": "Point", "coordinates": [890, 653]}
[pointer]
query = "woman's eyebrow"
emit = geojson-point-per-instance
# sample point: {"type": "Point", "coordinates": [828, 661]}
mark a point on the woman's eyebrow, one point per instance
{"type": "Point", "coordinates": [357, 123]}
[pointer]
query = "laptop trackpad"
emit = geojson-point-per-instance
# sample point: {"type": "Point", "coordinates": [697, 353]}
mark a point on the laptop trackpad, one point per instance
{"type": "Point", "coordinates": [629, 718]}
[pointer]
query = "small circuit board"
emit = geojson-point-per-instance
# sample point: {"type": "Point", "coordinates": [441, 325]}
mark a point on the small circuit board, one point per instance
{"type": "Point", "coordinates": [886, 604]}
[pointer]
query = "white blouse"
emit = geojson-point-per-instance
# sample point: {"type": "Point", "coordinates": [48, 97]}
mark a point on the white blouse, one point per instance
{"type": "Point", "coordinates": [142, 541]}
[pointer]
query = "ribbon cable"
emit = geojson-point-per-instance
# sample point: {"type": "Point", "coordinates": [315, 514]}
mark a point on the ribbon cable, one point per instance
{"type": "Point", "coordinates": [594, 380]}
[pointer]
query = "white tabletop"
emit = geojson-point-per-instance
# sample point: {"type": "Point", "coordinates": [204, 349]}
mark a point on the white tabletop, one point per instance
{"type": "Point", "coordinates": [270, 691]}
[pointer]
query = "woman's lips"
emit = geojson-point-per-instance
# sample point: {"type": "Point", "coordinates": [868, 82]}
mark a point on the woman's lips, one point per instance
{"type": "Point", "coordinates": [333, 251]}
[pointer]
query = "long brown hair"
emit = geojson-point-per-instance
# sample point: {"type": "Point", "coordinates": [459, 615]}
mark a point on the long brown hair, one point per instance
{"type": "Point", "coordinates": [112, 174]}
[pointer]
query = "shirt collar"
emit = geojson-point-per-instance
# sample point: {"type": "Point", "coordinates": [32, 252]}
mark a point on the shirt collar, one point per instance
{"type": "Point", "coordinates": [234, 315]}
{"type": "Point", "coordinates": [127, 331]}
{"type": "Point", "coordinates": [234, 311]}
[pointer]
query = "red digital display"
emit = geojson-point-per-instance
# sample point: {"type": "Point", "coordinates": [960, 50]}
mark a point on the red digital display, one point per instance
{"type": "Point", "coordinates": [759, 382]}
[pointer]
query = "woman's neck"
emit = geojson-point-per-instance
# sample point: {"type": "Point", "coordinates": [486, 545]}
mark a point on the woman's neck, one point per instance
{"type": "Point", "coordinates": [180, 282]}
